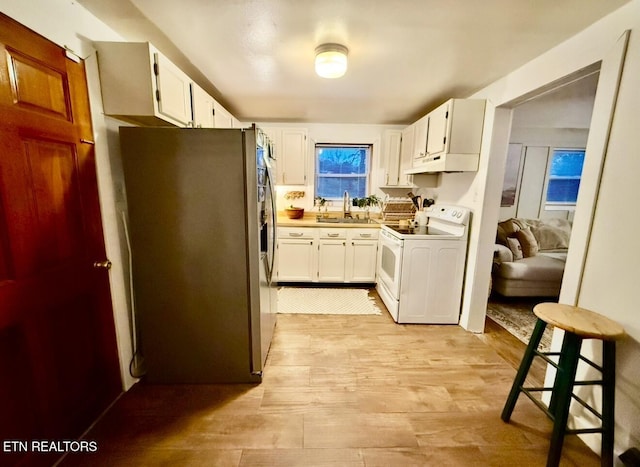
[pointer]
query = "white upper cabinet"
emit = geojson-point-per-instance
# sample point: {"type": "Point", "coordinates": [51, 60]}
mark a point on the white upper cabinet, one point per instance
{"type": "Point", "coordinates": [290, 150]}
{"type": "Point", "coordinates": [236, 123]}
{"type": "Point", "coordinates": [406, 152]}
{"type": "Point", "coordinates": [454, 136]}
{"type": "Point", "coordinates": [173, 91]}
{"type": "Point", "coordinates": [398, 147]}
{"type": "Point", "coordinates": [420, 138]}
{"type": "Point", "coordinates": [222, 117]}
{"type": "Point", "coordinates": [203, 107]}
{"type": "Point", "coordinates": [208, 113]}
{"type": "Point", "coordinates": [142, 86]}
{"type": "Point", "coordinates": [392, 142]}
{"type": "Point", "coordinates": [437, 132]}
{"type": "Point", "coordinates": [293, 156]}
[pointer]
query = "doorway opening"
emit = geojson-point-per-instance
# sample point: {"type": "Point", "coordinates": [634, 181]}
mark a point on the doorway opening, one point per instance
{"type": "Point", "coordinates": [544, 164]}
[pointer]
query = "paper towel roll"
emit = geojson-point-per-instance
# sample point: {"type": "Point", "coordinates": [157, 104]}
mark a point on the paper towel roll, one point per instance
{"type": "Point", "coordinates": [421, 218]}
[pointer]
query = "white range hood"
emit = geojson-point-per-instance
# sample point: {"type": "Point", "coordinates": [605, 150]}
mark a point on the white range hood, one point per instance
{"type": "Point", "coordinates": [447, 162]}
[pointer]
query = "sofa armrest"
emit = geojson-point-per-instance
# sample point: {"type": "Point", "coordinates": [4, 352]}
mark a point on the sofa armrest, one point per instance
{"type": "Point", "coordinates": [502, 254]}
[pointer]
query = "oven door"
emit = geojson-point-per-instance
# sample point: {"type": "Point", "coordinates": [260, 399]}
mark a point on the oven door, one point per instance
{"type": "Point", "coordinates": [390, 268]}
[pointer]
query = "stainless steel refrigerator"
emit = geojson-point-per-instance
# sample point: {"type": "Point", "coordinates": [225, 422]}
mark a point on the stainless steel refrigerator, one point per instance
{"type": "Point", "coordinates": [201, 222]}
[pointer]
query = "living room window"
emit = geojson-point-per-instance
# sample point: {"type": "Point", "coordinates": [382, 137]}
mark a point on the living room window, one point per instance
{"type": "Point", "coordinates": [340, 168]}
{"type": "Point", "coordinates": [565, 171]}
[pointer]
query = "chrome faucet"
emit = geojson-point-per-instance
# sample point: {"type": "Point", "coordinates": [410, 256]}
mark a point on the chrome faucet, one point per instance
{"type": "Point", "coordinates": [346, 205]}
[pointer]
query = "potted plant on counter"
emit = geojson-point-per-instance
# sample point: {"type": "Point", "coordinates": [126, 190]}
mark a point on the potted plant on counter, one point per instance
{"type": "Point", "coordinates": [320, 202]}
{"type": "Point", "coordinates": [366, 203]}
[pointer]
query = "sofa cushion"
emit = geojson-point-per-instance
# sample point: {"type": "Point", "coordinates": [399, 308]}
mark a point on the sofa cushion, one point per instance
{"type": "Point", "coordinates": [514, 245]}
{"type": "Point", "coordinates": [539, 267]}
{"type": "Point", "coordinates": [550, 237]}
{"type": "Point", "coordinates": [502, 254]}
{"type": "Point", "coordinates": [527, 241]}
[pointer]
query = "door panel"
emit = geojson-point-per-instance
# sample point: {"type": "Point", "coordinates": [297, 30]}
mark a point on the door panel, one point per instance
{"type": "Point", "coordinates": [58, 359]}
{"type": "Point", "coordinates": [56, 200]}
{"type": "Point", "coordinates": [37, 87]}
{"type": "Point", "coordinates": [6, 265]}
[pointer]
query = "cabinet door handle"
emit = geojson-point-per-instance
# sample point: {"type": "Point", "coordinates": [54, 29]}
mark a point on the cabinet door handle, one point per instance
{"type": "Point", "coordinates": [295, 234]}
{"type": "Point", "coordinates": [333, 235]}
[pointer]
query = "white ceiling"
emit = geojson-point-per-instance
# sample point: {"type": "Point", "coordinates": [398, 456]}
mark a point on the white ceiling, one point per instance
{"type": "Point", "coordinates": [405, 56]}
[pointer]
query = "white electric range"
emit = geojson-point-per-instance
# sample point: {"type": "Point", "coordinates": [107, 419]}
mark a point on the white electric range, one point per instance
{"type": "Point", "coordinates": [421, 269]}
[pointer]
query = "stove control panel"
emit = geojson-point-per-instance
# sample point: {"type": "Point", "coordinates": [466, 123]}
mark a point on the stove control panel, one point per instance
{"type": "Point", "coordinates": [453, 214]}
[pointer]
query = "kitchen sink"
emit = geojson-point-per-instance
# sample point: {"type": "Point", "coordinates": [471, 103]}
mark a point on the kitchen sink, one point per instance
{"type": "Point", "coordinates": [344, 220]}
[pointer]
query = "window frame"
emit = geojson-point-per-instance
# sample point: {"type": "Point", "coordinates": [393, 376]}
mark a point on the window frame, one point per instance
{"type": "Point", "coordinates": [366, 175]}
{"type": "Point", "coordinates": [559, 205]}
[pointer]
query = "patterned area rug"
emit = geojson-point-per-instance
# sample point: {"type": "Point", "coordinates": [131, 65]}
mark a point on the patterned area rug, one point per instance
{"type": "Point", "coordinates": [324, 301]}
{"type": "Point", "coordinates": [519, 320]}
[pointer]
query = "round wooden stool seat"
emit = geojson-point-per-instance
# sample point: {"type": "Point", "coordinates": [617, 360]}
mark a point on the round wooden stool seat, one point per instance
{"type": "Point", "coordinates": [585, 323]}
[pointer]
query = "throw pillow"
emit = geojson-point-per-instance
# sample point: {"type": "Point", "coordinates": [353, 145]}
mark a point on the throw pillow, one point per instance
{"type": "Point", "coordinates": [506, 229]}
{"type": "Point", "coordinates": [514, 245]}
{"type": "Point", "coordinates": [528, 242]}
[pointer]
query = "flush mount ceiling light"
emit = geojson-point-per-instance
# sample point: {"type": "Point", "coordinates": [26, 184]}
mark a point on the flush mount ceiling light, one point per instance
{"type": "Point", "coordinates": [331, 60]}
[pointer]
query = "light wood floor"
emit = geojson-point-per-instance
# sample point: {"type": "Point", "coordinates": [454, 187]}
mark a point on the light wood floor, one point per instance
{"type": "Point", "coordinates": [342, 391]}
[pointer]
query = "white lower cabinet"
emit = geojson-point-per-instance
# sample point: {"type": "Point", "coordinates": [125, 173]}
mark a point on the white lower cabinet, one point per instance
{"type": "Point", "coordinates": [296, 255]}
{"type": "Point", "coordinates": [312, 254]}
{"type": "Point", "coordinates": [332, 247]}
{"type": "Point", "coordinates": [361, 255]}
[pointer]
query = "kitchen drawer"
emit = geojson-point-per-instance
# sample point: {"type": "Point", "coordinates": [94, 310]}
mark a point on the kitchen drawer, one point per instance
{"type": "Point", "coordinates": [296, 232]}
{"type": "Point", "coordinates": [363, 234]}
{"type": "Point", "coordinates": [333, 233]}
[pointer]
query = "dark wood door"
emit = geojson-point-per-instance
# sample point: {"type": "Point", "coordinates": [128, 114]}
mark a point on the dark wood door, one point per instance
{"type": "Point", "coordinates": [58, 357]}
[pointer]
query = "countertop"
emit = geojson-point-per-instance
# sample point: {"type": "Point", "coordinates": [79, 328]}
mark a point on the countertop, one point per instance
{"type": "Point", "coordinates": [309, 220]}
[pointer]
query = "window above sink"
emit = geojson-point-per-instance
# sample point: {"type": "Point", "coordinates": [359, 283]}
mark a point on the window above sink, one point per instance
{"type": "Point", "coordinates": [340, 168]}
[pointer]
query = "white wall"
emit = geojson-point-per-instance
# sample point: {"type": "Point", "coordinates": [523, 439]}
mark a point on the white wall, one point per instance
{"type": "Point", "coordinates": [68, 24]}
{"type": "Point", "coordinates": [609, 281]}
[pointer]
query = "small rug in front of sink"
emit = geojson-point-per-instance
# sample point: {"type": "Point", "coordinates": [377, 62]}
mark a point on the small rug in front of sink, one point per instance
{"type": "Point", "coordinates": [325, 301]}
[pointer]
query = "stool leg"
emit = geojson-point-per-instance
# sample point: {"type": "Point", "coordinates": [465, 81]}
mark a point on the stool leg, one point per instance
{"type": "Point", "coordinates": [608, 401]}
{"type": "Point", "coordinates": [561, 397]}
{"type": "Point", "coordinates": [527, 359]}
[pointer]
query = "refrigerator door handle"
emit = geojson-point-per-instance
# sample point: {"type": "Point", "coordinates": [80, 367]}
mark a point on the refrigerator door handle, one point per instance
{"type": "Point", "coordinates": [272, 220]}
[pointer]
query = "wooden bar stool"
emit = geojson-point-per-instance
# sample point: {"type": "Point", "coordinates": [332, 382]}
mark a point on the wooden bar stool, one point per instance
{"type": "Point", "coordinates": [578, 324]}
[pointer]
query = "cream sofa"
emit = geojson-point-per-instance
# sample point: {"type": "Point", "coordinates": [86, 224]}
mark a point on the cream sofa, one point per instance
{"type": "Point", "coordinates": [529, 257]}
